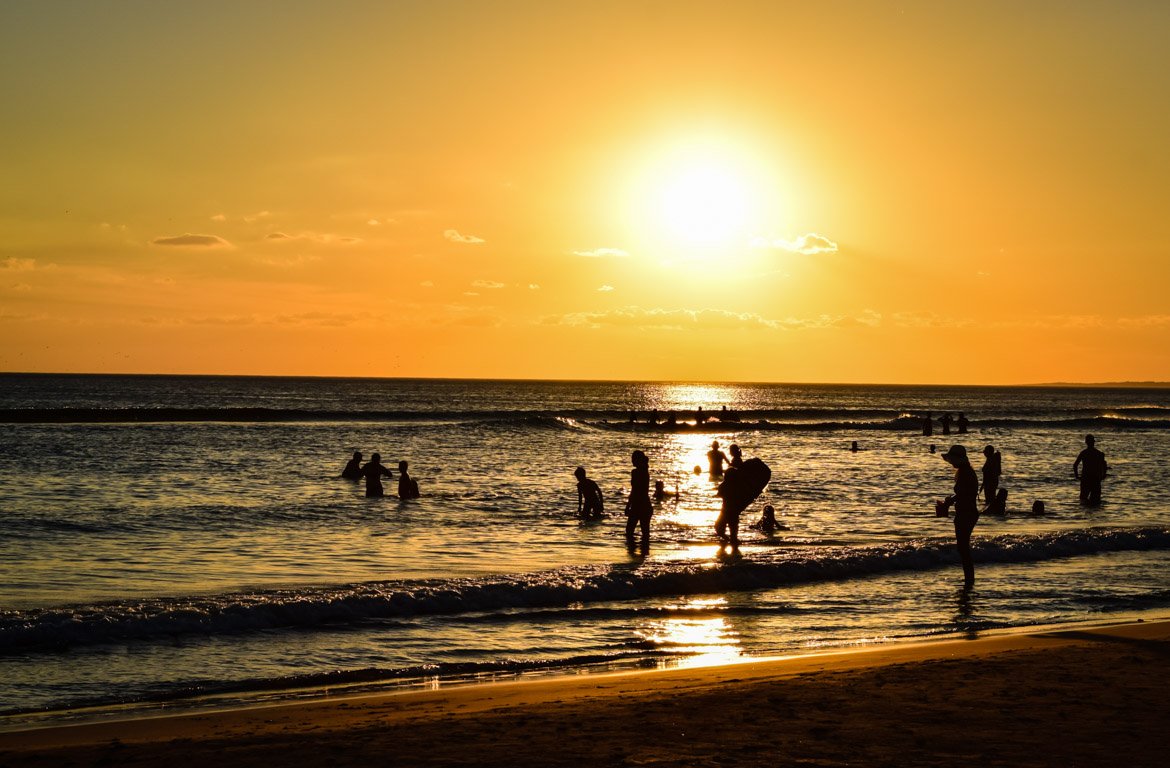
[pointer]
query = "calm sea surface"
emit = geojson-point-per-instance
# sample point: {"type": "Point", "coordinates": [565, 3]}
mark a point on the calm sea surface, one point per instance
{"type": "Point", "coordinates": [165, 540]}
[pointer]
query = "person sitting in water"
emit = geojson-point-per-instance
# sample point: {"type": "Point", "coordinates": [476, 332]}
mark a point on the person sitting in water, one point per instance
{"type": "Point", "coordinates": [736, 456]}
{"type": "Point", "coordinates": [715, 460]}
{"type": "Point", "coordinates": [661, 494]}
{"type": "Point", "coordinates": [1037, 507]}
{"type": "Point", "coordinates": [373, 472]}
{"type": "Point", "coordinates": [407, 485]}
{"type": "Point", "coordinates": [353, 469]}
{"type": "Point", "coordinates": [767, 523]}
{"type": "Point", "coordinates": [589, 501]}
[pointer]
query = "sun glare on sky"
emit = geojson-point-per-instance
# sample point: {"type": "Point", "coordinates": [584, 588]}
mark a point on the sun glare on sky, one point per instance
{"type": "Point", "coordinates": [700, 195]}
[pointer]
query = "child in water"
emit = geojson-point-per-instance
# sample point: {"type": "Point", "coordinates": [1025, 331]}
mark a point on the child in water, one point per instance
{"type": "Point", "coordinates": [660, 492]}
{"type": "Point", "coordinates": [589, 501]}
{"type": "Point", "coordinates": [767, 523]}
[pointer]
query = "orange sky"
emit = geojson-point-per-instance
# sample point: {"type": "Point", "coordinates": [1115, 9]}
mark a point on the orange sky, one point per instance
{"type": "Point", "coordinates": [761, 191]}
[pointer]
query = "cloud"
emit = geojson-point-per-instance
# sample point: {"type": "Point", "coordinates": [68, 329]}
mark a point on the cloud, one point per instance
{"type": "Point", "coordinates": [219, 217]}
{"type": "Point", "coordinates": [13, 264]}
{"type": "Point", "coordinates": [603, 253]}
{"type": "Point", "coordinates": [670, 319]}
{"type": "Point", "coordinates": [427, 284]}
{"type": "Point", "coordinates": [605, 288]}
{"type": "Point", "coordinates": [534, 286]}
{"type": "Point", "coordinates": [253, 217]}
{"type": "Point", "coordinates": [325, 238]}
{"type": "Point", "coordinates": [196, 241]}
{"type": "Point", "coordinates": [486, 284]}
{"type": "Point", "coordinates": [810, 244]}
{"type": "Point", "coordinates": [454, 236]}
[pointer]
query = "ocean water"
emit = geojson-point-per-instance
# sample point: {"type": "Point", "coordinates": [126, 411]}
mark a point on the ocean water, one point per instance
{"type": "Point", "coordinates": [173, 541]}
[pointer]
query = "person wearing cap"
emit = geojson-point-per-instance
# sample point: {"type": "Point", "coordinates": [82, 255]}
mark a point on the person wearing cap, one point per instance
{"type": "Point", "coordinates": [966, 502]}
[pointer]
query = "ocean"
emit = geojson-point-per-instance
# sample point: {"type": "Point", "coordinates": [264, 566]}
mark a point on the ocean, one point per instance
{"type": "Point", "coordinates": [170, 542]}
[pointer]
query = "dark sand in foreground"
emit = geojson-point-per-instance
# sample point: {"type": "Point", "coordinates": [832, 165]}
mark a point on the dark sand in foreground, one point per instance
{"type": "Point", "coordinates": [1082, 697]}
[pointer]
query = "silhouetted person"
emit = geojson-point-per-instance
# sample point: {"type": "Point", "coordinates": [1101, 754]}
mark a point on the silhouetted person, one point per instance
{"type": "Point", "coordinates": [633, 417]}
{"type": "Point", "coordinates": [965, 501]}
{"type": "Point", "coordinates": [1091, 468]}
{"type": "Point", "coordinates": [407, 486]}
{"type": "Point", "coordinates": [962, 423]}
{"type": "Point", "coordinates": [767, 523]}
{"type": "Point", "coordinates": [638, 506]}
{"type": "Point", "coordinates": [353, 469]}
{"type": "Point", "coordinates": [736, 455]}
{"type": "Point", "coordinates": [933, 448]}
{"type": "Point", "coordinates": [992, 469]}
{"type": "Point", "coordinates": [854, 447]}
{"type": "Point", "coordinates": [700, 417]}
{"type": "Point", "coordinates": [1037, 507]}
{"type": "Point", "coordinates": [671, 419]}
{"type": "Point", "coordinates": [928, 425]}
{"type": "Point", "coordinates": [660, 492]}
{"type": "Point", "coordinates": [373, 472]}
{"type": "Point", "coordinates": [654, 416]}
{"type": "Point", "coordinates": [715, 460]}
{"type": "Point", "coordinates": [945, 421]}
{"type": "Point", "coordinates": [589, 497]}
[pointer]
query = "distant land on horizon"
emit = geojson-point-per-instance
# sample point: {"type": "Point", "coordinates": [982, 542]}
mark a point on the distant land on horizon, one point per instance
{"type": "Point", "coordinates": [1070, 384]}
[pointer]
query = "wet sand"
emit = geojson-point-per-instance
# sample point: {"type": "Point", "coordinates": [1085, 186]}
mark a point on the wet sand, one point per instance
{"type": "Point", "coordinates": [1083, 697]}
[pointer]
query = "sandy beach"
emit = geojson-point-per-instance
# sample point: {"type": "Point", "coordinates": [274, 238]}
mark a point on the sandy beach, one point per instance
{"type": "Point", "coordinates": [1082, 696]}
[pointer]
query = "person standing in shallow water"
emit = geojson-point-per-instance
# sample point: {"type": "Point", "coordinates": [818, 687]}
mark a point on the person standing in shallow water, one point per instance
{"type": "Point", "coordinates": [638, 506]}
{"type": "Point", "coordinates": [992, 469]}
{"type": "Point", "coordinates": [373, 472]}
{"type": "Point", "coordinates": [966, 502]}
{"type": "Point", "coordinates": [1091, 468]}
{"type": "Point", "coordinates": [715, 460]}
{"type": "Point", "coordinates": [407, 485]}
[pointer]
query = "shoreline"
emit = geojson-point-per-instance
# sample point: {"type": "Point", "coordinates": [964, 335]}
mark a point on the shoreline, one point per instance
{"type": "Point", "coordinates": [1038, 677]}
{"type": "Point", "coordinates": [310, 694]}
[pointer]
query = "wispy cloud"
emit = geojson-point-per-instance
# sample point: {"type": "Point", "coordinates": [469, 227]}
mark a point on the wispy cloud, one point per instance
{"type": "Point", "coordinates": [13, 264]}
{"type": "Point", "coordinates": [605, 289]}
{"type": "Point", "coordinates": [603, 253]}
{"type": "Point", "coordinates": [325, 238]}
{"type": "Point", "coordinates": [809, 244]}
{"type": "Point", "coordinates": [193, 241]}
{"type": "Point", "coordinates": [254, 217]}
{"type": "Point", "coordinates": [454, 236]}
{"type": "Point", "coordinates": [491, 284]}
{"type": "Point", "coordinates": [219, 217]}
{"type": "Point", "coordinates": [670, 319]}
{"type": "Point", "coordinates": [534, 286]}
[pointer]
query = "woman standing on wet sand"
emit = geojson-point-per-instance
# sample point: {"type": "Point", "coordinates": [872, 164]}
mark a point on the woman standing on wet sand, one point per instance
{"type": "Point", "coordinates": [965, 500]}
{"type": "Point", "coordinates": [638, 506]}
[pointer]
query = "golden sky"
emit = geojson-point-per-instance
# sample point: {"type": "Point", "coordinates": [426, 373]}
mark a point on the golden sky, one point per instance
{"type": "Point", "coordinates": [746, 191]}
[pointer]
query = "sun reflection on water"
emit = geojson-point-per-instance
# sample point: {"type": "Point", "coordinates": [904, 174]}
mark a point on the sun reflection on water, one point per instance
{"type": "Point", "coordinates": [704, 641]}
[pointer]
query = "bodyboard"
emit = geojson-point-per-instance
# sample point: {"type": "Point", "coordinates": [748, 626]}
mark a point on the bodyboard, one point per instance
{"type": "Point", "coordinates": [743, 485]}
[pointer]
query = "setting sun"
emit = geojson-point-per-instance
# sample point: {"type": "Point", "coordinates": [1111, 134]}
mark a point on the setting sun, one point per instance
{"type": "Point", "coordinates": [703, 205]}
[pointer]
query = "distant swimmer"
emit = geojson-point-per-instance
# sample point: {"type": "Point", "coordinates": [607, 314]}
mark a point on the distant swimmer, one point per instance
{"type": "Point", "coordinates": [992, 469]}
{"type": "Point", "coordinates": [700, 417]}
{"type": "Point", "coordinates": [373, 472]}
{"type": "Point", "coordinates": [965, 501]}
{"type": "Point", "coordinates": [945, 422]}
{"type": "Point", "coordinates": [962, 423]}
{"type": "Point", "coordinates": [1037, 507]}
{"type": "Point", "coordinates": [715, 460]}
{"type": "Point", "coordinates": [1091, 468]}
{"type": "Point", "coordinates": [407, 485]}
{"type": "Point", "coordinates": [736, 455]}
{"type": "Point", "coordinates": [854, 447]}
{"type": "Point", "coordinates": [928, 425]}
{"type": "Point", "coordinates": [638, 506]}
{"type": "Point", "coordinates": [589, 498]}
{"type": "Point", "coordinates": [767, 524]}
{"type": "Point", "coordinates": [353, 469]}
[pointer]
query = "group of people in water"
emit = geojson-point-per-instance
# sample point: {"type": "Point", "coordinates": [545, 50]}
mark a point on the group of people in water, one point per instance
{"type": "Point", "coordinates": [735, 490]}
{"type": "Point", "coordinates": [945, 421]}
{"type": "Point", "coordinates": [373, 471]}
{"type": "Point", "coordinates": [1090, 468]}
{"type": "Point", "coordinates": [738, 487]}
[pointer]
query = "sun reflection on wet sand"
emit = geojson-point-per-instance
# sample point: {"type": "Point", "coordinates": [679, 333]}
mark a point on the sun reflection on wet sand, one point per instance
{"type": "Point", "coordinates": [706, 641]}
